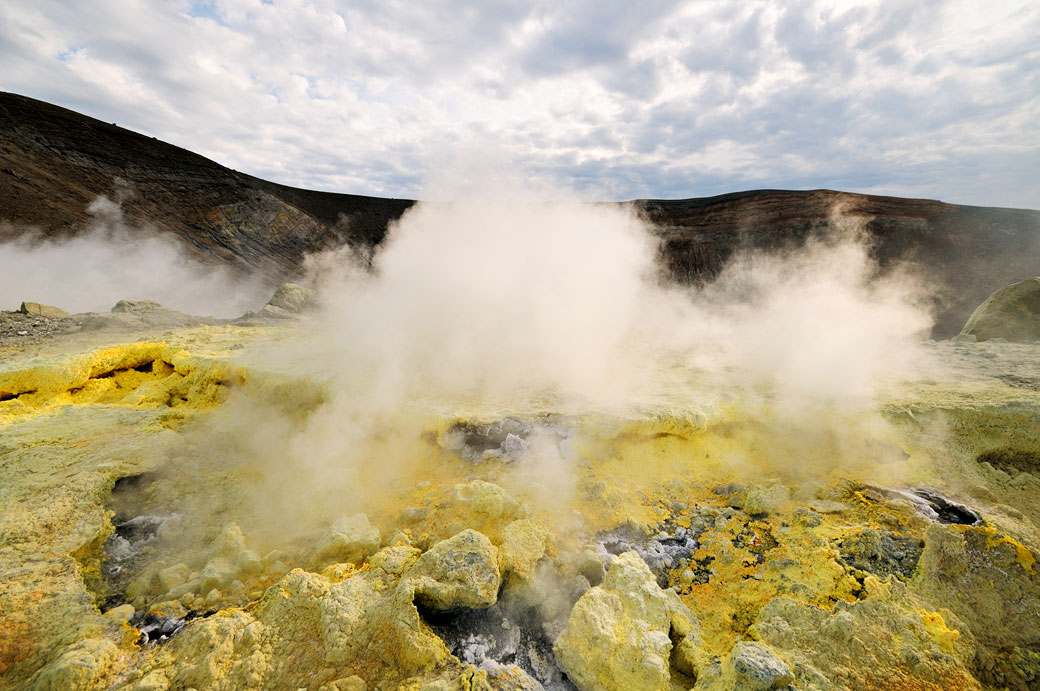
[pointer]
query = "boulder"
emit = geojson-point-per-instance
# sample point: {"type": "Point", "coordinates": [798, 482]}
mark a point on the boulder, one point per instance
{"type": "Point", "coordinates": [484, 501]}
{"type": "Point", "coordinates": [524, 543]}
{"type": "Point", "coordinates": [1011, 313]}
{"type": "Point", "coordinates": [273, 312]}
{"type": "Point", "coordinates": [756, 668]}
{"type": "Point", "coordinates": [460, 572]}
{"type": "Point", "coordinates": [35, 309]}
{"type": "Point", "coordinates": [617, 636]}
{"type": "Point", "coordinates": [351, 538]}
{"type": "Point", "coordinates": [292, 298]}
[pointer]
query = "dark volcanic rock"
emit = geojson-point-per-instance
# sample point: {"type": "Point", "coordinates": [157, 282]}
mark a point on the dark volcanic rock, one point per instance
{"type": "Point", "coordinates": [54, 162]}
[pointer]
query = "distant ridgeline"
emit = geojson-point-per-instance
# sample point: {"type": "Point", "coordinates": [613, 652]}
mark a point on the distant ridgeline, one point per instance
{"type": "Point", "coordinates": [54, 162]}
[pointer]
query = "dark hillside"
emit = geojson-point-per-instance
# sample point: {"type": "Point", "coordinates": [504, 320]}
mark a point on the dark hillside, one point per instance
{"type": "Point", "coordinates": [54, 162]}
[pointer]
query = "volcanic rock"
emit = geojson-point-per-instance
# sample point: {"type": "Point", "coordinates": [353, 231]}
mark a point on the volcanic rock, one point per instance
{"type": "Point", "coordinates": [524, 543]}
{"type": "Point", "coordinates": [1011, 313]}
{"type": "Point", "coordinates": [351, 538]}
{"type": "Point", "coordinates": [66, 160]}
{"type": "Point", "coordinates": [617, 636]}
{"type": "Point", "coordinates": [292, 298]}
{"type": "Point", "coordinates": [757, 668]}
{"type": "Point", "coordinates": [35, 309]}
{"type": "Point", "coordinates": [460, 572]}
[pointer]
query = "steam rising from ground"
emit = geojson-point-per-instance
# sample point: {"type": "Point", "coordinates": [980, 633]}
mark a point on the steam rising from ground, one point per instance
{"type": "Point", "coordinates": [112, 261]}
{"type": "Point", "coordinates": [510, 305]}
{"type": "Point", "coordinates": [512, 301]}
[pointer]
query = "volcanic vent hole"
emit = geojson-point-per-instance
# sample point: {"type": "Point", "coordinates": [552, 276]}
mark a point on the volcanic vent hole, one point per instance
{"type": "Point", "coordinates": [135, 531]}
{"type": "Point", "coordinates": [500, 636]}
{"type": "Point", "coordinates": [948, 510]}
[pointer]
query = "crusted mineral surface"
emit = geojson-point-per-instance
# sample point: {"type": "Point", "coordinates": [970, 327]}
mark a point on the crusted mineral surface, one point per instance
{"type": "Point", "coordinates": [154, 536]}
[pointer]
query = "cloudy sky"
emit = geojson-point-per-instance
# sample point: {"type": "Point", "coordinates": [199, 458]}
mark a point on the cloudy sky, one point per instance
{"type": "Point", "coordinates": [616, 99]}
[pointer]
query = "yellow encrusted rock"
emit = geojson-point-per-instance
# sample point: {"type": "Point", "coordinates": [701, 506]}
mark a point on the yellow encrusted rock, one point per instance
{"type": "Point", "coordinates": [617, 636]}
{"type": "Point", "coordinates": [524, 543]}
{"type": "Point", "coordinates": [460, 572]}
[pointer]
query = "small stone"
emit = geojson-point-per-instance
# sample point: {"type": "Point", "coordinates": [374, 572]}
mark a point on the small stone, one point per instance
{"type": "Point", "coordinates": [136, 306]}
{"type": "Point", "coordinates": [217, 574]}
{"type": "Point", "coordinates": [230, 541]}
{"type": "Point", "coordinates": [524, 542]}
{"type": "Point", "coordinates": [170, 609]}
{"type": "Point", "coordinates": [486, 500]}
{"type": "Point", "coordinates": [439, 685]}
{"type": "Point", "coordinates": [121, 613]}
{"type": "Point", "coordinates": [415, 513]}
{"type": "Point", "coordinates": [249, 562]}
{"type": "Point", "coordinates": [807, 517]}
{"type": "Point", "coordinates": [354, 683]}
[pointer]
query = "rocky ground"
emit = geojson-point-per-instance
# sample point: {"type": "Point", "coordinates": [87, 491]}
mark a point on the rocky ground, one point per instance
{"type": "Point", "coordinates": [154, 539]}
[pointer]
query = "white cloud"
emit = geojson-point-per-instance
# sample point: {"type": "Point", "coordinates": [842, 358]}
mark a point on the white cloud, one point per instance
{"type": "Point", "coordinates": [654, 99]}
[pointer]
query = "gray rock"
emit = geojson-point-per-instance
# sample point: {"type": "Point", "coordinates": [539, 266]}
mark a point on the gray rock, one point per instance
{"type": "Point", "coordinates": [460, 572]}
{"type": "Point", "coordinates": [292, 298]}
{"type": "Point", "coordinates": [351, 538]}
{"type": "Point", "coordinates": [1012, 313]}
{"type": "Point", "coordinates": [756, 668]}
{"type": "Point", "coordinates": [273, 312]}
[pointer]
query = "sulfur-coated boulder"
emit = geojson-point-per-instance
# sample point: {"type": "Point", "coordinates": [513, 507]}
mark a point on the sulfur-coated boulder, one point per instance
{"type": "Point", "coordinates": [35, 309]}
{"type": "Point", "coordinates": [483, 506]}
{"type": "Point", "coordinates": [292, 298]}
{"type": "Point", "coordinates": [1011, 313]}
{"type": "Point", "coordinates": [617, 636]}
{"type": "Point", "coordinates": [755, 667]}
{"type": "Point", "coordinates": [460, 572]}
{"type": "Point", "coordinates": [351, 538]}
{"type": "Point", "coordinates": [524, 543]}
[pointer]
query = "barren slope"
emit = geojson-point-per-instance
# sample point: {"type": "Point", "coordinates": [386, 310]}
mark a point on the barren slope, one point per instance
{"type": "Point", "coordinates": [54, 162]}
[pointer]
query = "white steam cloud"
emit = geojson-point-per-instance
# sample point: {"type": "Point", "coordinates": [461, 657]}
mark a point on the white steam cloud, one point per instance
{"type": "Point", "coordinates": [109, 262]}
{"type": "Point", "coordinates": [511, 305]}
{"type": "Point", "coordinates": [512, 301]}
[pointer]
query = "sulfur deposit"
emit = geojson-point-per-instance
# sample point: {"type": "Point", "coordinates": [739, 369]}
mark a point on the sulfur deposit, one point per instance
{"type": "Point", "coordinates": [900, 559]}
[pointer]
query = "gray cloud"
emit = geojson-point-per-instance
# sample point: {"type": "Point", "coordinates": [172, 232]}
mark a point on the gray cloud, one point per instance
{"type": "Point", "coordinates": [658, 99]}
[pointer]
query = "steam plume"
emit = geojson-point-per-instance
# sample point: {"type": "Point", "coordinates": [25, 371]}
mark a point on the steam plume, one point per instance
{"type": "Point", "coordinates": [111, 261]}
